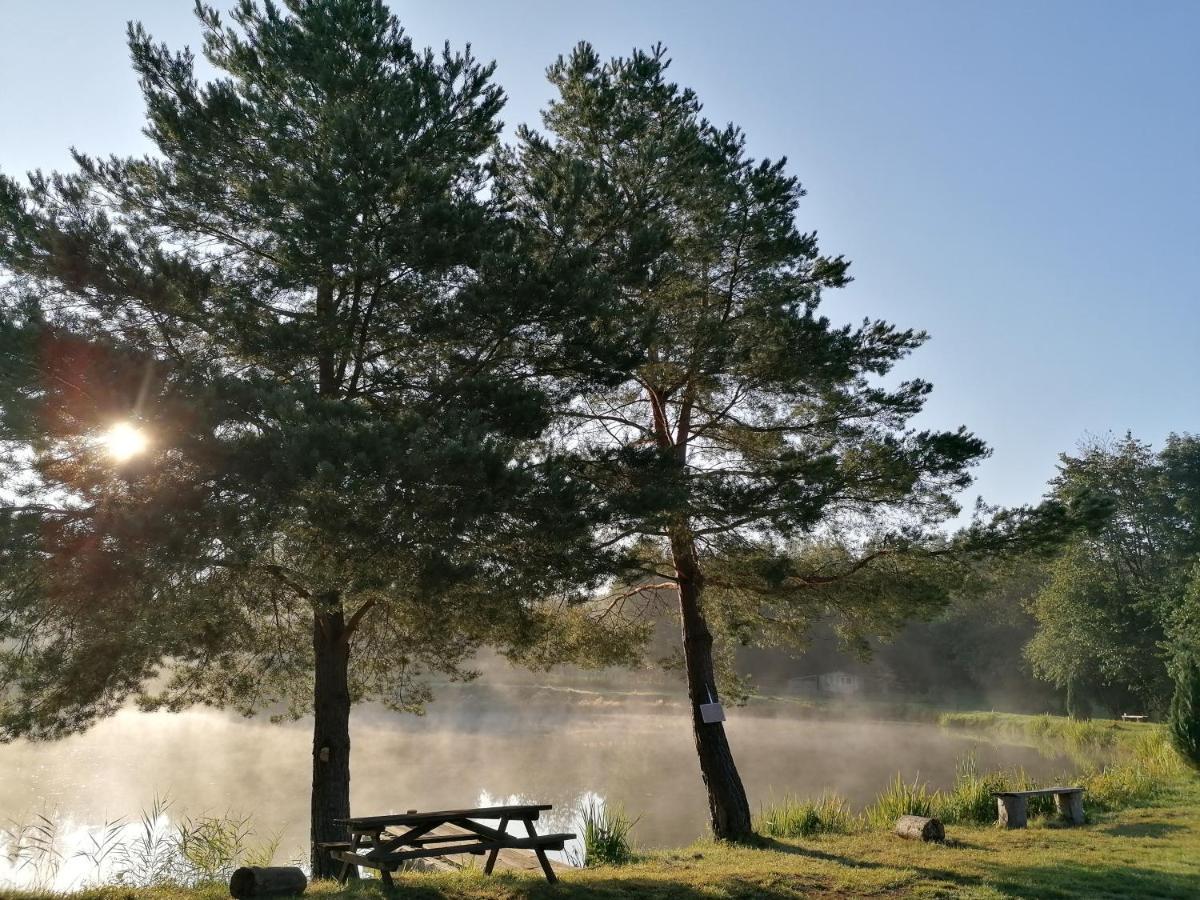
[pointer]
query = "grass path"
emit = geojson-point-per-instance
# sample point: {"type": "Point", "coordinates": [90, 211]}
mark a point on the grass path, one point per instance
{"type": "Point", "coordinates": [1148, 852]}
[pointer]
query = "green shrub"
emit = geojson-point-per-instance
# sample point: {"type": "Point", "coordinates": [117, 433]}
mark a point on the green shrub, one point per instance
{"type": "Point", "coordinates": [1184, 721]}
{"type": "Point", "coordinates": [793, 817]}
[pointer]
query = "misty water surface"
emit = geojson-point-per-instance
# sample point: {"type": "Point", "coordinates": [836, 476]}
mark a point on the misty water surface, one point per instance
{"type": "Point", "coordinates": [476, 746]}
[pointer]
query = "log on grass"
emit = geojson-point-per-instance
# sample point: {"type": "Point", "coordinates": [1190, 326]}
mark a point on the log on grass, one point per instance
{"type": "Point", "coordinates": [920, 828]}
{"type": "Point", "coordinates": [273, 881]}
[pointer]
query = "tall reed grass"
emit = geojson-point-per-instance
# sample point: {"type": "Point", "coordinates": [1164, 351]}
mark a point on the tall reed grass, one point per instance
{"type": "Point", "coordinates": [606, 834]}
{"type": "Point", "coordinates": [795, 817]}
{"type": "Point", "coordinates": [148, 852]}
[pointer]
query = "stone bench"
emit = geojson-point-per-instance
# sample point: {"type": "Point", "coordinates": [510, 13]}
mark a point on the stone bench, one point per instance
{"type": "Point", "coordinates": [1013, 806]}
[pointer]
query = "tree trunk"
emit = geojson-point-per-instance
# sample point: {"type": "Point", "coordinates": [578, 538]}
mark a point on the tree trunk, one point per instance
{"type": "Point", "coordinates": [729, 810]}
{"type": "Point", "coordinates": [331, 733]}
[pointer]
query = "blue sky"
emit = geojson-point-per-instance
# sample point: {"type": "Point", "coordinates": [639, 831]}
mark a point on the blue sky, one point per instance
{"type": "Point", "coordinates": [1022, 180]}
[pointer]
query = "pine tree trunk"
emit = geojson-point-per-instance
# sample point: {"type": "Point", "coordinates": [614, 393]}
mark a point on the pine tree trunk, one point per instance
{"type": "Point", "coordinates": [331, 734]}
{"type": "Point", "coordinates": [729, 810]}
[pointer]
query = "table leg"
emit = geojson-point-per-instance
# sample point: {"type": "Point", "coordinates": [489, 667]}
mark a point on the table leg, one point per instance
{"type": "Point", "coordinates": [491, 860]}
{"type": "Point", "coordinates": [541, 854]}
{"type": "Point", "coordinates": [344, 874]}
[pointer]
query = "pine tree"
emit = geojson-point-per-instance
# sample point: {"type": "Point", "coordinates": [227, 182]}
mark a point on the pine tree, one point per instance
{"type": "Point", "coordinates": [334, 347]}
{"type": "Point", "coordinates": [750, 421]}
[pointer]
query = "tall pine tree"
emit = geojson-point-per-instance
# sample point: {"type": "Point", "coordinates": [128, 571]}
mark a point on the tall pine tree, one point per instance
{"type": "Point", "coordinates": [307, 306]}
{"type": "Point", "coordinates": [750, 420]}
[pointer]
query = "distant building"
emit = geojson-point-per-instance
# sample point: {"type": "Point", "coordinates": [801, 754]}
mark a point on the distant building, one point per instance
{"type": "Point", "coordinates": [843, 683]}
{"type": "Point", "coordinates": [840, 683]}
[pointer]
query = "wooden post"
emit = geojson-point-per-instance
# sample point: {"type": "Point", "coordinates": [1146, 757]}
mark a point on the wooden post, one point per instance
{"type": "Point", "coordinates": [920, 828]}
{"type": "Point", "coordinates": [1070, 806]}
{"type": "Point", "coordinates": [1012, 810]}
{"type": "Point", "coordinates": [255, 881]}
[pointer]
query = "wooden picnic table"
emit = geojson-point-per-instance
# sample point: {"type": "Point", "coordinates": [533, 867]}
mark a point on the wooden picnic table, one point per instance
{"type": "Point", "coordinates": [373, 845]}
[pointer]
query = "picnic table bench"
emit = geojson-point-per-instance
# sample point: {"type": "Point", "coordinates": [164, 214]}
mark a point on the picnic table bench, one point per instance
{"type": "Point", "coordinates": [1013, 806]}
{"type": "Point", "coordinates": [373, 845]}
{"type": "Point", "coordinates": [1130, 717]}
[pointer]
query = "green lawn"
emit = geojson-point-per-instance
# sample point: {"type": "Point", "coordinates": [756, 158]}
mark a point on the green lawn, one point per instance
{"type": "Point", "coordinates": [1148, 852]}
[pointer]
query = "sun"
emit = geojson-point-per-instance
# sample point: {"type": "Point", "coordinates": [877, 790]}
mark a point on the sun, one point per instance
{"type": "Point", "coordinates": [125, 441]}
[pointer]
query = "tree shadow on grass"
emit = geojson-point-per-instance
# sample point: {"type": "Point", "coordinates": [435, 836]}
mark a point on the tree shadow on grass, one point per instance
{"type": "Point", "coordinates": [782, 887]}
{"type": "Point", "coordinates": [957, 879]}
{"type": "Point", "coordinates": [1143, 829]}
{"type": "Point", "coordinates": [1067, 880]}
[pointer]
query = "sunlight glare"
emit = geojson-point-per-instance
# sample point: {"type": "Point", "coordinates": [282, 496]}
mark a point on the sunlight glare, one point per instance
{"type": "Point", "coordinates": [124, 441]}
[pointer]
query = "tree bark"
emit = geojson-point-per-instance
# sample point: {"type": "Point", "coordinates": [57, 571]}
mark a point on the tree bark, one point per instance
{"type": "Point", "coordinates": [331, 732]}
{"type": "Point", "coordinates": [729, 810]}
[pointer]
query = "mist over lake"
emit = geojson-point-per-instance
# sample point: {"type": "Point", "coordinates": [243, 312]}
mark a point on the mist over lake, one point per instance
{"type": "Point", "coordinates": [478, 745]}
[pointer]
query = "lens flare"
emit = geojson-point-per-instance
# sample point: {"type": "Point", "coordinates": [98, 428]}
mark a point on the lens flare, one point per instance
{"type": "Point", "coordinates": [125, 441]}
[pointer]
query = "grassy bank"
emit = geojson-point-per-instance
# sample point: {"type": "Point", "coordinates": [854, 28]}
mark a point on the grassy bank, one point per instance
{"type": "Point", "coordinates": [1152, 851]}
{"type": "Point", "coordinates": [1056, 732]}
{"type": "Point", "coordinates": [1142, 839]}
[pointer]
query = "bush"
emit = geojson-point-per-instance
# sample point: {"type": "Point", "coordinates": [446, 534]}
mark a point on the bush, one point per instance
{"type": "Point", "coordinates": [792, 817]}
{"type": "Point", "coordinates": [1184, 721]}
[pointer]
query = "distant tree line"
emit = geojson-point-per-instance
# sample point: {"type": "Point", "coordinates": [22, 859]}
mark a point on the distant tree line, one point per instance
{"type": "Point", "coordinates": [1108, 619]}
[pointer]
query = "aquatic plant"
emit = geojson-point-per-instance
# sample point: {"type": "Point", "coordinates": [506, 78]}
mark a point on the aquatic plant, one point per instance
{"type": "Point", "coordinates": [606, 834]}
{"type": "Point", "coordinates": [33, 848]}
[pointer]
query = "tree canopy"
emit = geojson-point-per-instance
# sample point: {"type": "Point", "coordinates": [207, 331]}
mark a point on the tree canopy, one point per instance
{"type": "Point", "coordinates": [1115, 613]}
{"type": "Point", "coordinates": [751, 421]}
{"type": "Point", "coordinates": [341, 358]}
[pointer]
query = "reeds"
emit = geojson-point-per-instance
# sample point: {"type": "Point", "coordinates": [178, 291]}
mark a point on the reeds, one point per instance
{"type": "Point", "coordinates": [606, 834]}
{"type": "Point", "coordinates": [796, 817]}
{"type": "Point", "coordinates": [150, 852]}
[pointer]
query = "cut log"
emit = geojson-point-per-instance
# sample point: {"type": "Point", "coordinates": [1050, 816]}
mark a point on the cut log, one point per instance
{"type": "Point", "coordinates": [920, 828]}
{"type": "Point", "coordinates": [275, 881]}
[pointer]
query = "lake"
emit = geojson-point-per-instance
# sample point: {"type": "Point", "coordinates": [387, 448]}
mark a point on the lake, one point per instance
{"type": "Point", "coordinates": [476, 746]}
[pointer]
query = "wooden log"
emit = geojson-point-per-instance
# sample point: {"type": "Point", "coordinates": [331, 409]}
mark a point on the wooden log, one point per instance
{"type": "Point", "coordinates": [920, 828]}
{"type": "Point", "coordinates": [1070, 806]}
{"type": "Point", "coordinates": [275, 881]}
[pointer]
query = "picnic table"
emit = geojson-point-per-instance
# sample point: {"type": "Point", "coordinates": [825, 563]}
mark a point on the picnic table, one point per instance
{"type": "Point", "coordinates": [1013, 806]}
{"type": "Point", "coordinates": [387, 842]}
{"type": "Point", "coordinates": [1130, 717]}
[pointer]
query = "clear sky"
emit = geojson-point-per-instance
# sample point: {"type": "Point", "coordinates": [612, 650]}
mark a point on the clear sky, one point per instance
{"type": "Point", "coordinates": [1020, 179]}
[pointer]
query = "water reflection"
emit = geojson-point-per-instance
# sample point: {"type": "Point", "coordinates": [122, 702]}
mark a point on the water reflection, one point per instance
{"type": "Point", "coordinates": [474, 747]}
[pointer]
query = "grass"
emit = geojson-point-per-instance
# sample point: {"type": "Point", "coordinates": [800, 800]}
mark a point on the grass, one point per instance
{"type": "Point", "coordinates": [794, 817]}
{"type": "Point", "coordinates": [1049, 732]}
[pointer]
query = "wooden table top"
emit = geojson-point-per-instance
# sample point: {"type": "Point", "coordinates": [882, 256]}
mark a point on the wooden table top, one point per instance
{"type": "Point", "coordinates": [372, 823]}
